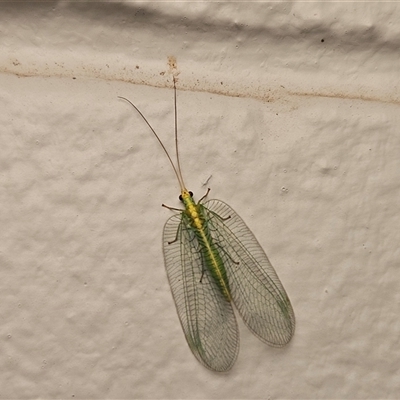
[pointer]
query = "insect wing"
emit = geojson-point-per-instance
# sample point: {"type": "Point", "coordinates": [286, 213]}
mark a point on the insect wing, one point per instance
{"type": "Point", "coordinates": [206, 316]}
{"type": "Point", "coordinates": [256, 289]}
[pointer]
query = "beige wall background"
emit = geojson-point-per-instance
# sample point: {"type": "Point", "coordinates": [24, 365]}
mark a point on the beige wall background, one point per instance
{"type": "Point", "coordinates": [290, 110]}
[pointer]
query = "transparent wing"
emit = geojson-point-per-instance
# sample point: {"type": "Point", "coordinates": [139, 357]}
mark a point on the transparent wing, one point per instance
{"type": "Point", "coordinates": [207, 318]}
{"type": "Point", "coordinates": [256, 289]}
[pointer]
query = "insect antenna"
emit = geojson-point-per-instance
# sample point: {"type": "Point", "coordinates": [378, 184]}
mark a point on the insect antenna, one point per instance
{"type": "Point", "coordinates": [176, 137]}
{"type": "Point", "coordinates": [177, 170]}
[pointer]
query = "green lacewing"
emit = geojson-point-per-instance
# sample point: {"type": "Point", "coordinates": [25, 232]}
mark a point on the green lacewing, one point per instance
{"type": "Point", "coordinates": [213, 261]}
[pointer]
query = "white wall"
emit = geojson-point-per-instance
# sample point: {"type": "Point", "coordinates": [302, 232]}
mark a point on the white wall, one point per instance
{"type": "Point", "coordinates": [291, 108]}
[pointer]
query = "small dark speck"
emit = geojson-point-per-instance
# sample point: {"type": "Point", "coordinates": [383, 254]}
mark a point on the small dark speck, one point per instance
{"type": "Point", "coordinates": [137, 66]}
{"type": "Point", "coordinates": [73, 77]}
{"type": "Point", "coordinates": [322, 40]}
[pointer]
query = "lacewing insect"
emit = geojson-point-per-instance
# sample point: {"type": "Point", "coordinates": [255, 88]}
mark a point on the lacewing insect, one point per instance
{"type": "Point", "coordinates": [213, 262]}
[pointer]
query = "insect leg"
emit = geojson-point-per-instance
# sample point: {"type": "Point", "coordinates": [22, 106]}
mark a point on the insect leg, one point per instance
{"type": "Point", "coordinates": [208, 191]}
{"type": "Point", "coordinates": [172, 208]}
{"type": "Point", "coordinates": [226, 253]}
{"type": "Point", "coordinates": [217, 215]}
{"type": "Point", "coordinates": [177, 234]}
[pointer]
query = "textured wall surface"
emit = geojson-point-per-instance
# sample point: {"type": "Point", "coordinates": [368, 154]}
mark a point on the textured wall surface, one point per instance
{"type": "Point", "coordinates": [289, 110]}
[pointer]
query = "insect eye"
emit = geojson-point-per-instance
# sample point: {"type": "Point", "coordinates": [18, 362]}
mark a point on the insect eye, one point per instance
{"type": "Point", "coordinates": [180, 198]}
{"type": "Point", "coordinates": [191, 194]}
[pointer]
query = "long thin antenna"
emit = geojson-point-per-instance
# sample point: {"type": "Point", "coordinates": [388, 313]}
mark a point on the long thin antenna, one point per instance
{"type": "Point", "coordinates": [177, 171]}
{"type": "Point", "coordinates": [176, 133]}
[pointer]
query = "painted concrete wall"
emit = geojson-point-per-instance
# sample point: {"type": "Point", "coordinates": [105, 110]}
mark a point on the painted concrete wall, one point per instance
{"type": "Point", "coordinates": [290, 111]}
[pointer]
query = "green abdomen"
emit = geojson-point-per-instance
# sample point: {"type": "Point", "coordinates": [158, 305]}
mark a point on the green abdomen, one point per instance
{"type": "Point", "coordinates": [212, 260]}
